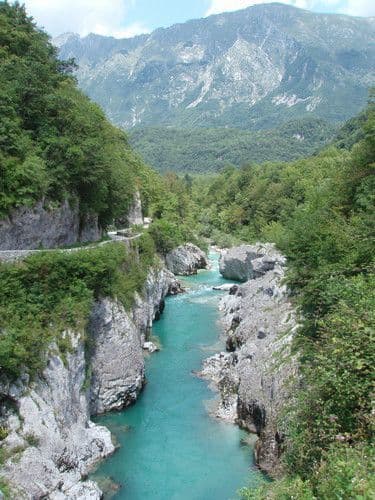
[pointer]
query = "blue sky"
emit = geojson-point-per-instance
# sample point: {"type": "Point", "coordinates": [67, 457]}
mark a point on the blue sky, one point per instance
{"type": "Point", "coordinates": [124, 18]}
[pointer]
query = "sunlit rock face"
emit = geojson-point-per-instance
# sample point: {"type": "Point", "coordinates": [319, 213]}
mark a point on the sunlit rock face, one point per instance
{"type": "Point", "coordinates": [254, 68]}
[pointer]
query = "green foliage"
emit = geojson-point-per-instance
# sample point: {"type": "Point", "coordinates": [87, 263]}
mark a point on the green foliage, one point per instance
{"type": "Point", "coordinates": [209, 150]}
{"type": "Point", "coordinates": [55, 143]}
{"type": "Point", "coordinates": [3, 433]}
{"type": "Point", "coordinates": [345, 473]}
{"type": "Point", "coordinates": [32, 440]}
{"type": "Point", "coordinates": [51, 292]}
{"type": "Point", "coordinates": [320, 211]}
{"type": "Point", "coordinates": [4, 488]}
{"type": "Point", "coordinates": [174, 214]}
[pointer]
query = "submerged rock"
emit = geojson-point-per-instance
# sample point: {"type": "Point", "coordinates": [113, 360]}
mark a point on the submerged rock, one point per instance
{"type": "Point", "coordinates": [186, 260]}
{"type": "Point", "coordinates": [224, 288]}
{"type": "Point", "coordinates": [151, 347]}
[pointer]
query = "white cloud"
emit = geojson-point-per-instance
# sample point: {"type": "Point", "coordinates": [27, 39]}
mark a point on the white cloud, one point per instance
{"type": "Point", "coordinates": [352, 7]}
{"type": "Point", "coordinates": [105, 17]}
{"type": "Point", "coordinates": [218, 6]}
{"type": "Point", "coordinates": [129, 31]}
{"type": "Point", "coordinates": [359, 8]}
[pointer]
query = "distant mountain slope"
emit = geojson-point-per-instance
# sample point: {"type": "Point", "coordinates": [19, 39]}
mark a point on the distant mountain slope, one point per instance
{"type": "Point", "coordinates": [210, 149]}
{"type": "Point", "coordinates": [254, 68]}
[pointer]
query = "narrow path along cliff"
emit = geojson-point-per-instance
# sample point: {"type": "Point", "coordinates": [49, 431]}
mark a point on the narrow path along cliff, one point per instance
{"type": "Point", "coordinates": [170, 446]}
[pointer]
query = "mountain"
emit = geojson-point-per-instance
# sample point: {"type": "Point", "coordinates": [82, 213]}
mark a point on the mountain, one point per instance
{"type": "Point", "coordinates": [210, 149]}
{"type": "Point", "coordinates": [255, 68]}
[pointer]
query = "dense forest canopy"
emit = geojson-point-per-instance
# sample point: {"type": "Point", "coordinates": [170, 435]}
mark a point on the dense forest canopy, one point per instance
{"type": "Point", "coordinates": [54, 142]}
{"type": "Point", "coordinates": [210, 149]}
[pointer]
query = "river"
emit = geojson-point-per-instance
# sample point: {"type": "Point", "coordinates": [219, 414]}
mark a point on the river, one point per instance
{"type": "Point", "coordinates": [171, 449]}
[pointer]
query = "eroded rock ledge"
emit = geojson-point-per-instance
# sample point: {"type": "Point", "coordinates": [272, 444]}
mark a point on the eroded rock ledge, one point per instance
{"type": "Point", "coordinates": [253, 378]}
{"type": "Point", "coordinates": [47, 225]}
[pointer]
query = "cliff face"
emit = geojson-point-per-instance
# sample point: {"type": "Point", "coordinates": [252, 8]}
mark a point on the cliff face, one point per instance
{"type": "Point", "coordinates": [254, 378]}
{"type": "Point", "coordinates": [47, 227]}
{"type": "Point", "coordinates": [118, 337]}
{"type": "Point", "coordinates": [52, 444]}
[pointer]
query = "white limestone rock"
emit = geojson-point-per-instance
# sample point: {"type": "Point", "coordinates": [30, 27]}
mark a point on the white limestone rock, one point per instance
{"type": "Point", "coordinates": [254, 378]}
{"type": "Point", "coordinates": [116, 360]}
{"type": "Point", "coordinates": [52, 443]}
{"type": "Point", "coordinates": [186, 260]}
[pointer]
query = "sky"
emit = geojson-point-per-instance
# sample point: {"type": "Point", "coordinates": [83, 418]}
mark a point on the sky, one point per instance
{"type": "Point", "coordinates": [126, 18]}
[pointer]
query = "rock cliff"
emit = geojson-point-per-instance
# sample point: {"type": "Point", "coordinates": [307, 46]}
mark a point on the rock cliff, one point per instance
{"type": "Point", "coordinates": [118, 337]}
{"type": "Point", "coordinates": [186, 259]}
{"type": "Point", "coordinates": [44, 226]}
{"type": "Point", "coordinates": [255, 377]}
{"type": "Point", "coordinates": [135, 215]}
{"type": "Point", "coordinates": [52, 444]}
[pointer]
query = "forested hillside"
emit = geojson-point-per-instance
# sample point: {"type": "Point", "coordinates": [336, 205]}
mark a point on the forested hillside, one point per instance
{"type": "Point", "coordinates": [55, 143]}
{"type": "Point", "coordinates": [320, 212]}
{"type": "Point", "coordinates": [209, 150]}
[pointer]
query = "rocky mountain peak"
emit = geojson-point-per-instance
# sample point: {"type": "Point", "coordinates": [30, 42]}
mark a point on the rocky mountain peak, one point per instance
{"type": "Point", "coordinates": [254, 68]}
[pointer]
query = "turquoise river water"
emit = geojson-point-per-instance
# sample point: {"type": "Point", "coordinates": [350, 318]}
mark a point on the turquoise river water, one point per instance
{"type": "Point", "coordinates": [171, 449]}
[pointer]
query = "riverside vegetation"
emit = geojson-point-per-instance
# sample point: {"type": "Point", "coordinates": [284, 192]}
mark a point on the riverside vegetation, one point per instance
{"type": "Point", "coordinates": [55, 144]}
{"type": "Point", "coordinates": [320, 212]}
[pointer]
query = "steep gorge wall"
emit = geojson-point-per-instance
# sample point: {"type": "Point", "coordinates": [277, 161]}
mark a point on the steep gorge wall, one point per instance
{"type": "Point", "coordinates": [52, 443]}
{"type": "Point", "coordinates": [117, 337]}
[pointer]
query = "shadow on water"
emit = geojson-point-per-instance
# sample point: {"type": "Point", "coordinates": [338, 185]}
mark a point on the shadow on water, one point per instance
{"type": "Point", "coordinates": [171, 449]}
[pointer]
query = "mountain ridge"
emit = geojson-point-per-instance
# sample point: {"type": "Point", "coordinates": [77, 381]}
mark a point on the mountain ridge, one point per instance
{"type": "Point", "coordinates": [255, 68]}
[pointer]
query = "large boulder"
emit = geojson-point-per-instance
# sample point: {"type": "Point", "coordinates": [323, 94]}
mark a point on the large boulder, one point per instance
{"type": "Point", "coordinates": [186, 260]}
{"type": "Point", "coordinates": [235, 264]}
{"type": "Point", "coordinates": [249, 261]}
